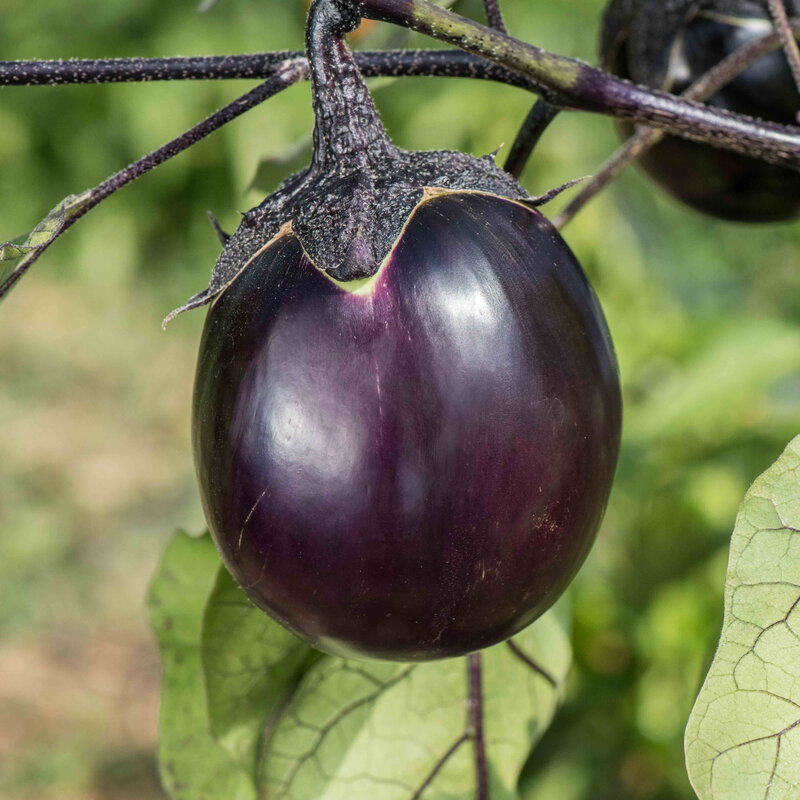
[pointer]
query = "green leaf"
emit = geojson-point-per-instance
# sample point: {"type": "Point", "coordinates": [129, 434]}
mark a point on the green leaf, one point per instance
{"type": "Point", "coordinates": [743, 737]}
{"type": "Point", "coordinates": [249, 710]}
{"type": "Point", "coordinates": [250, 663]}
{"type": "Point", "coordinates": [49, 229]}
{"type": "Point", "coordinates": [384, 731]}
{"type": "Point", "coordinates": [193, 765]}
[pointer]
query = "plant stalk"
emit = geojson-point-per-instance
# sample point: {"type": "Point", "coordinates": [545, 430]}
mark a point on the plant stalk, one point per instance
{"type": "Point", "coordinates": [586, 88]}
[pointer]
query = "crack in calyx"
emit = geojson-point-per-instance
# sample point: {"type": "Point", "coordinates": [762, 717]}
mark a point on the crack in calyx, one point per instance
{"type": "Point", "coordinates": [349, 207]}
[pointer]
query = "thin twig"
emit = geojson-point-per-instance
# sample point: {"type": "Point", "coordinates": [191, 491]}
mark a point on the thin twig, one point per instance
{"type": "Point", "coordinates": [475, 725]}
{"type": "Point", "coordinates": [529, 662]}
{"type": "Point", "coordinates": [259, 66]}
{"type": "Point", "coordinates": [536, 123]}
{"type": "Point", "coordinates": [645, 138]}
{"type": "Point", "coordinates": [290, 73]}
{"type": "Point", "coordinates": [494, 15]}
{"type": "Point", "coordinates": [783, 25]}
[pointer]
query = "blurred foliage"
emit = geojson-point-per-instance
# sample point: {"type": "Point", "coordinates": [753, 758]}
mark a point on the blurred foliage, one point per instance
{"type": "Point", "coordinates": [95, 465]}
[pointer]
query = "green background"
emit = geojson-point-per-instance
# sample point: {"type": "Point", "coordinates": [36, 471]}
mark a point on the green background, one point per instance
{"type": "Point", "coordinates": [95, 462]}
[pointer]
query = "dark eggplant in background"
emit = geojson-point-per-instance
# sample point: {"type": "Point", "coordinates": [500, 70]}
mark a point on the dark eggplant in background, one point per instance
{"type": "Point", "coordinates": [669, 45]}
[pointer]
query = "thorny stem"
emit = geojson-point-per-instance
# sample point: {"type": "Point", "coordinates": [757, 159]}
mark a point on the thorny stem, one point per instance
{"type": "Point", "coordinates": [783, 26]}
{"type": "Point", "coordinates": [645, 138]}
{"type": "Point", "coordinates": [589, 89]}
{"type": "Point", "coordinates": [536, 123]}
{"type": "Point", "coordinates": [289, 74]}
{"type": "Point", "coordinates": [475, 725]}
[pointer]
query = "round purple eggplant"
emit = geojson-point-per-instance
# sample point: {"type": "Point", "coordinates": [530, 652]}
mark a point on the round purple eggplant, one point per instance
{"type": "Point", "coordinates": [414, 465]}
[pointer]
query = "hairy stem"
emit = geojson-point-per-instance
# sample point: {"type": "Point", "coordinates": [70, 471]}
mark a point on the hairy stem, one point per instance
{"type": "Point", "coordinates": [589, 89]}
{"type": "Point", "coordinates": [290, 73]}
{"type": "Point", "coordinates": [347, 122]}
{"type": "Point", "coordinates": [645, 138]}
{"type": "Point", "coordinates": [391, 63]}
{"type": "Point", "coordinates": [494, 16]}
{"type": "Point", "coordinates": [475, 724]}
{"type": "Point", "coordinates": [134, 70]}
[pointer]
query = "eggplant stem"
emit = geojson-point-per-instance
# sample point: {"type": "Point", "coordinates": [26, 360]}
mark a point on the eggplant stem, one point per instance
{"type": "Point", "coordinates": [347, 123]}
{"type": "Point", "coordinates": [535, 124]}
{"type": "Point", "coordinates": [475, 724]}
{"type": "Point", "coordinates": [494, 15]}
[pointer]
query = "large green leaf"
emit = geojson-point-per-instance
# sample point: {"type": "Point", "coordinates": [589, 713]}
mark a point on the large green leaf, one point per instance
{"type": "Point", "coordinates": [743, 737]}
{"type": "Point", "coordinates": [363, 730]}
{"type": "Point", "coordinates": [246, 703]}
{"type": "Point", "coordinates": [193, 765]}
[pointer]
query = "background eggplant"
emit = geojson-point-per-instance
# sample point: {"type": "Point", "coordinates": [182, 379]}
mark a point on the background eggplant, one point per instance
{"type": "Point", "coordinates": [414, 465]}
{"type": "Point", "coordinates": [669, 46]}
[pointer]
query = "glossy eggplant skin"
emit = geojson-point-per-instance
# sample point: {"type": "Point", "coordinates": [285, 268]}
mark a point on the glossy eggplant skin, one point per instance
{"type": "Point", "coordinates": [717, 182]}
{"type": "Point", "coordinates": [415, 469]}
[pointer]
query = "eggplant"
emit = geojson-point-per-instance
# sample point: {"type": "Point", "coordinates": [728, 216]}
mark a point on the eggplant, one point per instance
{"type": "Point", "coordinates": [669, 46]}
{"type": "Point", "coordinates": [414, 465]}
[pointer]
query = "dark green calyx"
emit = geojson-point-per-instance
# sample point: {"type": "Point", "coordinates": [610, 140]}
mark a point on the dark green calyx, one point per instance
{"type": "Point", "coordinates": [351, 204]}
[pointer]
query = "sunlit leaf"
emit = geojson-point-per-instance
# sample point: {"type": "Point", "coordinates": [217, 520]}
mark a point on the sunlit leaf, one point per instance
{"type": "Point", "coordinates": [743, 737]}
{"type": "Point", "coordinates": [383, 731]}
{"type": "Point", "coordinates": [193, 765]}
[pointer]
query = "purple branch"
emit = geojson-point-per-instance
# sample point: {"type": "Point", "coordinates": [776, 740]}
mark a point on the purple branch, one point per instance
{"type": "Point", "coordinates": [494, 15]}
{"type": "Point", "coordinates": [475, 725]}
{"type": "Point", "coordinates": [259, 66]}
{"type": "Point", "coordinates": [586, 88]}
{"type": "Point", "coordinates": [290, 73]}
